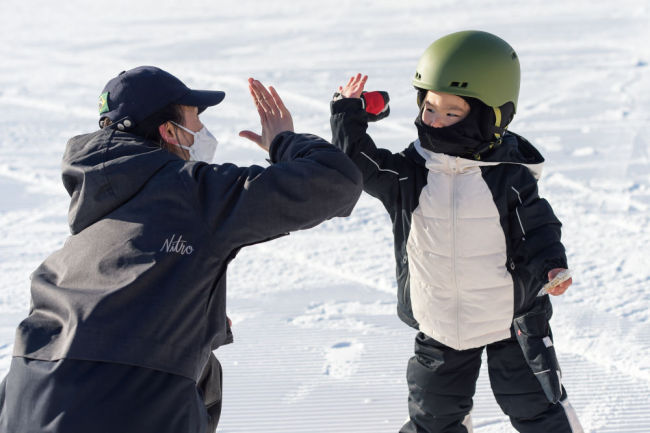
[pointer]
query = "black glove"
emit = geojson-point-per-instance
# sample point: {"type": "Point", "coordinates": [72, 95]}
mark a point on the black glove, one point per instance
{"type": "Point", "coordinates": [375, 103]}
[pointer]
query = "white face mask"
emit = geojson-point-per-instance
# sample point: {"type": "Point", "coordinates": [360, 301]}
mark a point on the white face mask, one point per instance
{"type": "Point", "coordinates": [204, 147]}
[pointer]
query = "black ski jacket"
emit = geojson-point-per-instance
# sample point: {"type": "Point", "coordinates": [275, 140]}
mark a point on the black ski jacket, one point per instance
{"type": "Point", "coordinates": [470, 282]}
{"type": "Point", "coordinates": [142, 279]}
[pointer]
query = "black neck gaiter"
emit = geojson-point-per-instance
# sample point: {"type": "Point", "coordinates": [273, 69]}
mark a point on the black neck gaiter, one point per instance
{"type": "Point", "coordinates": [470, 138]}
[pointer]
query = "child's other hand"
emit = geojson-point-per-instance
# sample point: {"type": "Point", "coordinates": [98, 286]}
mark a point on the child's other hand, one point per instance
{"type": "Point", "coordinates": [354, 87]}
{"type": "Point", "coordinates": [560, 288]}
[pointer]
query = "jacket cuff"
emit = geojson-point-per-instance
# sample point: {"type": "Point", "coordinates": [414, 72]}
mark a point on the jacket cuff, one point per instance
{"type": "Point", "coordinates": [346, 105]}
{"type": "Point", "coordinates": [559, 262]}
{"type": "Point", "coordinates": [277, 146]}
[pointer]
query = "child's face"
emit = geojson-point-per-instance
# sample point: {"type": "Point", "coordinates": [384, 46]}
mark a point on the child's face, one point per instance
{"type": "Point", "coordinates": [443, 109]}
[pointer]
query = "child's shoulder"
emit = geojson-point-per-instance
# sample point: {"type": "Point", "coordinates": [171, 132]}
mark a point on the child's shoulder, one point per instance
{"type": "Point", "coordinates": [516, 154]}
{"type": "Point", "coordinates": [515, 149]}
{"type": "Point", "coordinates": [411, 153]}
{"type": "Point", "coordinates": [412, 159]}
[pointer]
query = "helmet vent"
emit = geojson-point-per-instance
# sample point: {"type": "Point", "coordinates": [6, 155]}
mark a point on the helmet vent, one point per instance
{"type": "Point", "coordinates": [418, 75]}
{"type": "Point", "coordinates": [458, 84]}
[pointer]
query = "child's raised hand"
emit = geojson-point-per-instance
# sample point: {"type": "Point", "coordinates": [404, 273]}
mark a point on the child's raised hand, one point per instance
{"type": "Point", "coordinates": [561, 287]}
{"type": "Point", "coordinates": [354, 87]}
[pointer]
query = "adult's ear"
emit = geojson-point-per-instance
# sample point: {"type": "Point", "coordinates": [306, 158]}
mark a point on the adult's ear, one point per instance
{"type": "Point", "coordinates": [168, 133]}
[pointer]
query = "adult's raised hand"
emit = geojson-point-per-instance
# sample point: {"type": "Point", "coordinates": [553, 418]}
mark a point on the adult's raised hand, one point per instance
{"type": "Point", "coordinates": [274, 115]}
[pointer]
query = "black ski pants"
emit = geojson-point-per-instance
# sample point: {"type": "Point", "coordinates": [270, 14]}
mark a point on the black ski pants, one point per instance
{"type": "Point", "coordinates": [442, 382]}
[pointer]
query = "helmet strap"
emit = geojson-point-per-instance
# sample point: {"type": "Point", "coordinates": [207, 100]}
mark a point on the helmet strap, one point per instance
{"type": "Point", "coordinates": [497, 117]}
{"type": "Point", "coordinates": [502, 117]}
{"type": "Point", "coordinates": [497, 124]}
{"type": "Point", "coordinates": [478, 155]}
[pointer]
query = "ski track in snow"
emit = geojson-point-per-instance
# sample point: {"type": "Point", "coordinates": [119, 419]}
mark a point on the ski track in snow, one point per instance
{"type": "Point", "coordinates": [318, 346]}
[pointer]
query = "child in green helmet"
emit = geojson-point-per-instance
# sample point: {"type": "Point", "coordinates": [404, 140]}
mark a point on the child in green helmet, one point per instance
{"type": "Point", "coordinates": [477, 250]}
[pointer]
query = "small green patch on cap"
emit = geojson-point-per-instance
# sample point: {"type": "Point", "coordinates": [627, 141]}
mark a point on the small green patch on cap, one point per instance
{"type": "Point", "coordinates": [103, 103]}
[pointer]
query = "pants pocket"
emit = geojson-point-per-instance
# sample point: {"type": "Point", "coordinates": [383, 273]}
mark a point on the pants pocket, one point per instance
{"type": "Point", "coordinates": [533, 334]}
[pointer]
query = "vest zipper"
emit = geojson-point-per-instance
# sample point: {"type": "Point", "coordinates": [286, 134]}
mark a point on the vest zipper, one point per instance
{"type": "Point", "coordinates": [453, 246]}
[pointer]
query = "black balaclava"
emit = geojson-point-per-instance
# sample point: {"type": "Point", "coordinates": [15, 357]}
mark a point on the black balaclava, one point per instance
{"type": "Point", "coordinates": [471, 138]}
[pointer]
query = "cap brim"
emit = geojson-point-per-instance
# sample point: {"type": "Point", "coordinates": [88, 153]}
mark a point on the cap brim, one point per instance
{"type": "Point", "coordinates": [201, 98]}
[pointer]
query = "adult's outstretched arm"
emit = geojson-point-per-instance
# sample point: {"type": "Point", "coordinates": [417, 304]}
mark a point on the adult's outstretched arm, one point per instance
{"type": "Point", "coordinates": [308, 182]}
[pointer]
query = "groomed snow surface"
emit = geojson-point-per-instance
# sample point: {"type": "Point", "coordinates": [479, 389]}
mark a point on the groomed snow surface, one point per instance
{"type": "Point", "coordinates": [318, 347]}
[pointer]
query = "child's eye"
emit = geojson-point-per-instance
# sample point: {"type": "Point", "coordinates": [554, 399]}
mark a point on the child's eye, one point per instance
{"type": "Point", "coordinates": [430, 110]}
{"type": "Point", "coordinates": [452, 115]}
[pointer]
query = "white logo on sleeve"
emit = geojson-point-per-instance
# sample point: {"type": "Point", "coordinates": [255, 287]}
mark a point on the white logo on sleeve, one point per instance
{"type": "Point", "coordinates": [178, 246]}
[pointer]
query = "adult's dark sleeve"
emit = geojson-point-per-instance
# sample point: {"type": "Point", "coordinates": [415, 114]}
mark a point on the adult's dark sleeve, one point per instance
{"type": "Point", "coordinates": [308, 182]}
{"type": "Point", "coordinates": [380, 167]}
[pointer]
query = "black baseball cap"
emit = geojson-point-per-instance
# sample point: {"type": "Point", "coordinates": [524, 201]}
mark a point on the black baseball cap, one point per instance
{"type": "Point", "coordinates": [135, 94]}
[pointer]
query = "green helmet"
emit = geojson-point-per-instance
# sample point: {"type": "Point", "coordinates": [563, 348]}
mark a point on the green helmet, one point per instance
{"type": "Point", "coordinates": [471, 63]}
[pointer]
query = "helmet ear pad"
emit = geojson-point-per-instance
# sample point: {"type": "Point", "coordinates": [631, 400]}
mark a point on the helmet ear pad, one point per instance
{"type": "Point", "coordinates": [492, 121]}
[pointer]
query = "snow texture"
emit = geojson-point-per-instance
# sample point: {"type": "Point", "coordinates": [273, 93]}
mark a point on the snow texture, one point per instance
{"type": "Point", "coordinates": [318, 346]}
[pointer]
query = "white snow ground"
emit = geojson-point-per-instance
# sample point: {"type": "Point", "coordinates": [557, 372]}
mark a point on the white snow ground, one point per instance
{"type": "Point", "coordinates": [318, 346]}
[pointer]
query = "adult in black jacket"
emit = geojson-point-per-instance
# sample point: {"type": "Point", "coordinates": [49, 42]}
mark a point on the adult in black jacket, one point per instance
{"type": "Point", "coordinates": [126, 315]}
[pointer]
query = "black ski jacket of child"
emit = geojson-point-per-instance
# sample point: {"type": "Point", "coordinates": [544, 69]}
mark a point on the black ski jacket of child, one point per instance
{"type": "Point", "coordinates": [473, 240]}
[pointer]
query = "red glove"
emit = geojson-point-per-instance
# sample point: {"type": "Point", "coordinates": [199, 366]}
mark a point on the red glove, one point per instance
{"type": "Point", "coordinates": [376, 104]}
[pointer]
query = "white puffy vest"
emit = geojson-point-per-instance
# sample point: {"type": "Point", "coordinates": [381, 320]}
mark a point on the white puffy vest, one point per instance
{"type": "Point", "coordinates": [461, 291]}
